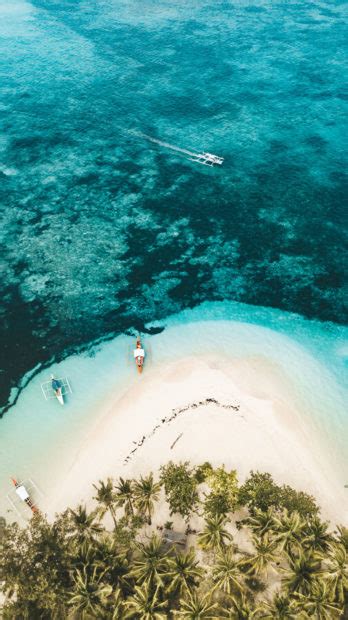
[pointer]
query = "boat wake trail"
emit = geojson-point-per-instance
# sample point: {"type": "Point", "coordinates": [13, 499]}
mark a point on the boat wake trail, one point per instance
{"type": "Point", "coordinates": [165, 144]}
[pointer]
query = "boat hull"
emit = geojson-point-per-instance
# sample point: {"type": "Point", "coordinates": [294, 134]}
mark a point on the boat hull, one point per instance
{"type": "Point", "coordinates": [59, 396]}
{"type": "Point", "coordinates": [29, 502]}
{"type": "Point", "coordinates": [139, 359]}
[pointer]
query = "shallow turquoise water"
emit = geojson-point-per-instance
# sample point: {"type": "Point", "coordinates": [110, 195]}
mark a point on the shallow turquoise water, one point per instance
{"type": "Point", "coordinates": [103, 231]}
{"type": "Point", "coordinates": [40, 440]}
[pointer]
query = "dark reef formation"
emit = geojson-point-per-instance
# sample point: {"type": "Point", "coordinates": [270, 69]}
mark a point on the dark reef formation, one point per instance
{"type": "Point", "coordinates": [103, 231]}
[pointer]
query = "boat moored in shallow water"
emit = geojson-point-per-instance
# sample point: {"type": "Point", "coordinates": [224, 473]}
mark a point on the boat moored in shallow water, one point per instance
{"type": "Point", "coordinates": [56, 388]}
{"type": "Point", "coordinates": [139, 355]}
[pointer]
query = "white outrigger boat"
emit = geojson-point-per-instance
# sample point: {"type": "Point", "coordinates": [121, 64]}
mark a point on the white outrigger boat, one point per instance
{"type": "Point", "coordinates": [56, 388]}
{"type": "Point", "coordinates": [23, 494]}
{"type": "Point", "coordinates": [207, 159]}
{"type": "Point", "coordinates": [23, 491]}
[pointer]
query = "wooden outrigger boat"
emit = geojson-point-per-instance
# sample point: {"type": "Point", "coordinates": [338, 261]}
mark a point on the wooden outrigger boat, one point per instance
{"type": "Point", "coordinates": [24, 495]}
{"type": "Point", "coordinates": [56, 388]}
{"type": "Point", "coordinates": [139, 355]}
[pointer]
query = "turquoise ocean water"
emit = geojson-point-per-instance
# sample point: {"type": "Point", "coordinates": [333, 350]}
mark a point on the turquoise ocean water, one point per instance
{"type": "Point", "coordinates": [104, 232]}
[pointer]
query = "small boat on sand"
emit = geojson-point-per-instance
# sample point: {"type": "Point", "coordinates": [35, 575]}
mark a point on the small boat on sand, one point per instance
{"type": "Point", "coordinates": [57, 388]}
{"type": "Point", "coordinates": [139, 355]}
{"type": "Point", "coordinates": [24, 495]}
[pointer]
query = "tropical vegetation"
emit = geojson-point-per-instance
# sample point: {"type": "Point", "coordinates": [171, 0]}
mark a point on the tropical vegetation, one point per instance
{"type": "Point", "coordinates": [256, 550]}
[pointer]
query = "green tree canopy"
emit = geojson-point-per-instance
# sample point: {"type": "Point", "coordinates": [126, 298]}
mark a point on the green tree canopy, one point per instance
{"type": "Point", "coordinates": [226, 574]}
{"type": "Point", "coordinates": [223, 497]}
{"type": "Point", "coordinates": [180, 486]}
{"type": "Point", "coordinates": [106, 498]}
{"type": "Point", "coordinates": [146, 493]}
{"type": "Point", "coordinates": [214, 535]}
{"type": "Point", "coordinates": [184, 572]}
{"type": "Point", "coordinates": [79, 567]}
{"type": "Point", "coordinates": [259, 491]}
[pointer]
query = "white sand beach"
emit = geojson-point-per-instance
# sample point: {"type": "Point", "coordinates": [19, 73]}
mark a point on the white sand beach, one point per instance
{"type": "Point", "coordinates": [237, 412]}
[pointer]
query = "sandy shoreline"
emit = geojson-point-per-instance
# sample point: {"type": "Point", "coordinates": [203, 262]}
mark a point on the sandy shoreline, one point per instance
{"type": "Point", "coordinates": [204, 409]}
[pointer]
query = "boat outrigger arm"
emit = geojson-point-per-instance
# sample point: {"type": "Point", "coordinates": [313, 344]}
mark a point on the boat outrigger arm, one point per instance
{"type": "Point", "coordinates": [207, 159]}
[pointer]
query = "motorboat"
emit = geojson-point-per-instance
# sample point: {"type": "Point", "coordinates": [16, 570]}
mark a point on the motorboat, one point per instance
{"type": "Point", "coordinates": [139, 355]}
{"type": "Point", "coordinates": [23, 494]}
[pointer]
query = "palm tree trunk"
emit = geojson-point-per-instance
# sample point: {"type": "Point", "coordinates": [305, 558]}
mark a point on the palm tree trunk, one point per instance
{"type": "Point", "coordinates": [130, 503]}
{"type": "Point", "coordinates": [113, 514]}
{"type": "Point", "coordinates": [129, 510]}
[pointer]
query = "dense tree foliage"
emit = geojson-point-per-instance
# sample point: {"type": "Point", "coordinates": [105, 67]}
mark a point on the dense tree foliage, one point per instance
{"type": "Point", "coordinates": [260, 491]}
{"type": "Point", "coordinates": [113, 563]}
{"type": "Point", "coordinates": [223, 497]}
{"type": "Point", "coordinates": [180, 485]}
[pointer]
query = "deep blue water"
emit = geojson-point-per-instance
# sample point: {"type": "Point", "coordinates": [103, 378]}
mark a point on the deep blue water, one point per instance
{"type": "Point", "coordinates": [103, 230]}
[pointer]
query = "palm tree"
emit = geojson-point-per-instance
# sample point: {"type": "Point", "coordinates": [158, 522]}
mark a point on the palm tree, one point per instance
{"type": "Point", "coordinates": [317, 538]}
{"type": "Point", "coordinates": [304, 570]}
{"type": "Point", "coordinates": [319, 604]}
{"type": "Point", "coordinates": [106, 498]}
{"type": "Point", "coordinates": [84, 526]}
{"type": "Point", "coordinates": [90, 593]}
{"type": "Point", "coordinates": [289, 531]}
{"type": "Point", "coordinates": [85, 555]}
{"type": "Point", "coordinates": [151, 564]}
{"type": "Point", "coordinates": [214, 535]}
{"type": "Point", "coordinates": [117, 605]}
{"type": "Point", "coordinates": [261, 522]}
{"type": "Point", "coordinates": [146, 492]}
{"type": "Point", "coordinates": [342, 536]}
{"type": "Point", "coordinates": [226, 574]}
{"type": "Point", "coordinates": [183, 570]}
{"type": "Point", "coordinates": [196, 607]}
{"type": "Point", "coordinates": [145, 604]}
{"type": "Point", "coordinates": [265, 554]}
{"type": "Point", "coordinates": [282, 607]}
{"type": "Point", "coordinates": [240, 609]}
{"type": "Point", "coordinates": [113, 561]}
{"type": "Point", "coordinates": [337, 572]}
{"type": "Point", "coordinates": [125, 495]}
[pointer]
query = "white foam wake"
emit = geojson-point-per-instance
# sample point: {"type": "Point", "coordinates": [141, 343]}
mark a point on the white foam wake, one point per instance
{"type": "Point", "coordinates": [167, 145]}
